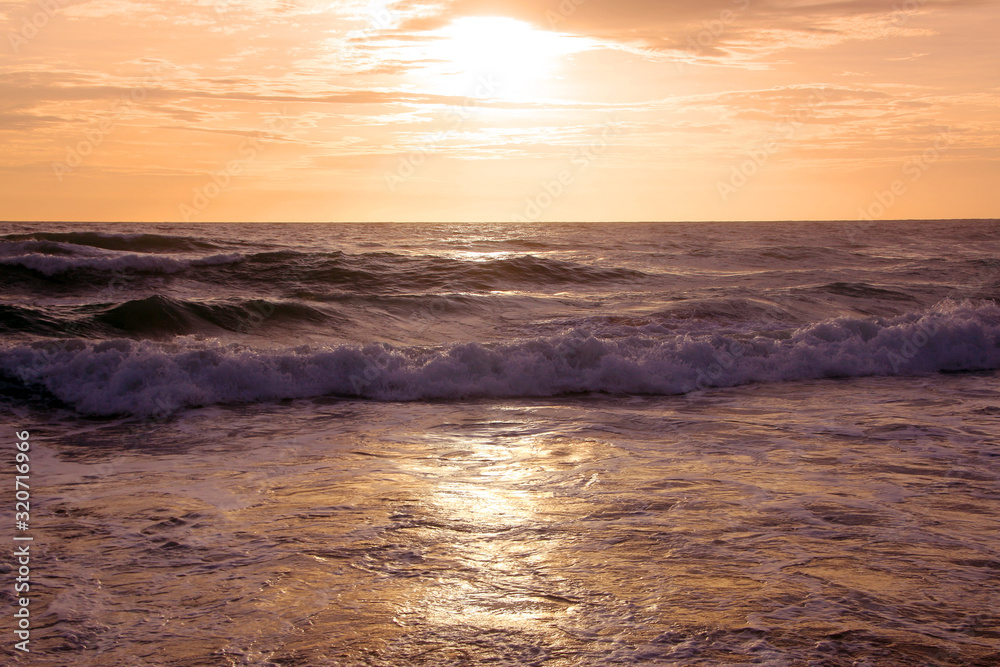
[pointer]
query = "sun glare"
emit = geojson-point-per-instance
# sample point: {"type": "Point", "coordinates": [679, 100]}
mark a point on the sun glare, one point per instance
{"type": "Point", "coordinates": [497, 57]}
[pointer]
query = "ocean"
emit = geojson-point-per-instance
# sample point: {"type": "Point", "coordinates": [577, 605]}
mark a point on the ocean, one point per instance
{"type": "Point", "coordinates": [500, 444]}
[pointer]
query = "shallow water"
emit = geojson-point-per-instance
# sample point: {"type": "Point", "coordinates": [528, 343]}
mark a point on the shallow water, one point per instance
{"type": "Point", "coordinates": [833, 522]}
{"type": "Point", "coordinates": [561, 445]}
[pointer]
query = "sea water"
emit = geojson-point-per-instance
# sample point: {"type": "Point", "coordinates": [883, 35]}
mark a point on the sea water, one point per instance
{"type": "Point", "coordinates": [669, 444]}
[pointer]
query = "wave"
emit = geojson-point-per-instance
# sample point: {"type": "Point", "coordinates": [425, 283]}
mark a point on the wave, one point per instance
{"type": "Point", "coordinates": [727, 309]}
{"type": "Point", "coordinates": [158, 317]}
{"type": "Point", "coordinates": [390, 272]}
{"type": "Point", "coordinates": [52, 265]}
{"type": "Point", "coordinates": [28, 320]}
{"type": "Point", "coordinates": [109, 241]}
{"type": "Point", "coordinates": [859, 290]}
{"type": "Point", "coordinates": [142, 378]}
{"type": "Point", "coordinates": [379, 272]}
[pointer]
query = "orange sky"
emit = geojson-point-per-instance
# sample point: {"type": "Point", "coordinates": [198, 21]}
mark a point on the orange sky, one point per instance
{"type": "Point", "coordinates": [498, 110]}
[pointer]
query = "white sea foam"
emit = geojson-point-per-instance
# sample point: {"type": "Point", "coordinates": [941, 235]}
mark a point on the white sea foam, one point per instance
{"type": "Point", "coordinates": [51, 265]}
{"type": "Point", "coordinates": [145, 378]}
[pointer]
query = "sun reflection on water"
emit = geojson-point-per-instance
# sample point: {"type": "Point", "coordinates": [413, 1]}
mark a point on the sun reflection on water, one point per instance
{"type": "Point", "coordinates": [481, 515]}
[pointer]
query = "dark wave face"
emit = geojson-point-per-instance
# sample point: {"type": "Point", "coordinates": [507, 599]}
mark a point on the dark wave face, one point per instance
{"type": "Point", "coordinates": [110, 321]}
{"type": "Point", "coordinates": [124, 377]}
{"type": "Point", "coordinates": [111, 241]}
{"type": "Point", "coordinates": [373, 272]}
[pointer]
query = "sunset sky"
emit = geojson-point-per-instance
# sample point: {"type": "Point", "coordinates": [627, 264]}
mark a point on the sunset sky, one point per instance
{"type": "Point", "coordinates": [498, 110]}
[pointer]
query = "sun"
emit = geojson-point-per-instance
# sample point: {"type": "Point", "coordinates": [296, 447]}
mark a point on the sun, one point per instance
{"type": "Point", "coordinates": [503, 56]}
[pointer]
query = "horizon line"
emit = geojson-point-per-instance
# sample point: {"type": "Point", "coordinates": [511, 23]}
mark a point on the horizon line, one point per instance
{"type": "Point", "coordinates": [489, 222]}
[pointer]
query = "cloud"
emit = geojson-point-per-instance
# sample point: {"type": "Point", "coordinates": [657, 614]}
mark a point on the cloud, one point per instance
{"type": "Point", "coordinates": [21, 122]}
{"type": "Point", "coordinates": [732, 31]}
{"type": "Point", "coordinates": [840, 85]}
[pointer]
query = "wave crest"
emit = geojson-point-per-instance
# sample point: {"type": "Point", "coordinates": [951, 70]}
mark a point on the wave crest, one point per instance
{"type": "Point", "coordinates": [124, 377]}
{"type": "Point", "coordinates": [51, 265]}
{"type": "Point", "coordinates": [109, 241]}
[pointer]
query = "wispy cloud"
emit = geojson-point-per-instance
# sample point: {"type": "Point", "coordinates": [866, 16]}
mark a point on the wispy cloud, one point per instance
{"type": "Point", "coordinates": [167, 91]}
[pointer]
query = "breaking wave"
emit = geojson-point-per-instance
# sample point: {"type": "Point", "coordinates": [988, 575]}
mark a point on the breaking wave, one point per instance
{"type": "Point", "coordinates": [145, 378]}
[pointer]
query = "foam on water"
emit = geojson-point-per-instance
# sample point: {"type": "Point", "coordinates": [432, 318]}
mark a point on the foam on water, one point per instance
{"type": "Point", "coordinates": [51, 265]}
{"type": "Point", "coordinates": [599, 508]}
{"type": "Point", "coordinates": [144, 378]}
{"type": "Point", "coordinates": [841, 523]}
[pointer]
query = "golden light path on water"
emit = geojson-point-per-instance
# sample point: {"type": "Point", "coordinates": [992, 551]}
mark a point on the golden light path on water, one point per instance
{"type": "Point", "coordinates": [490, 508]}
{"type": "Point", "coordinates": [719, 528]}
